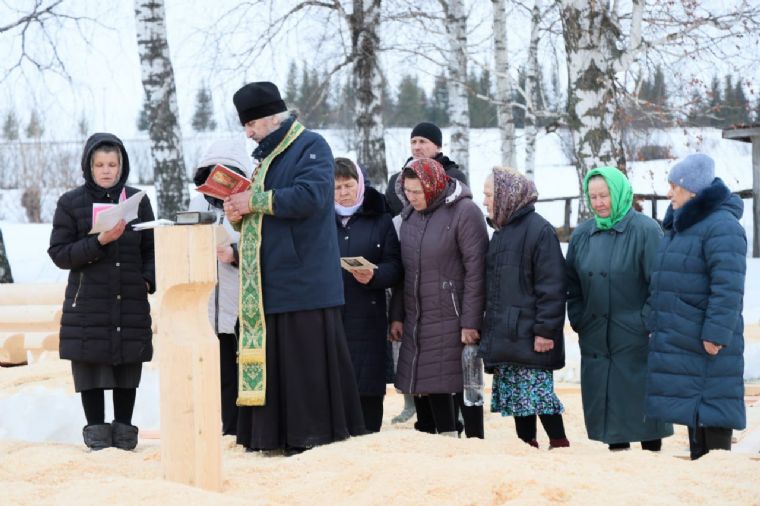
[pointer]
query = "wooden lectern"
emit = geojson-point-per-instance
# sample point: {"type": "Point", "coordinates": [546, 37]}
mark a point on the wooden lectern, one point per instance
{"type": "Point", "coordinates": [191, 440]}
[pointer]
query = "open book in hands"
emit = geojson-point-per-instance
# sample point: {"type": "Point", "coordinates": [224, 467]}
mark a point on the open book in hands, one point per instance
{"type": "Point", "coordinates": [106, 216]}
{"type": "Point", "coordinates": [223, 182]}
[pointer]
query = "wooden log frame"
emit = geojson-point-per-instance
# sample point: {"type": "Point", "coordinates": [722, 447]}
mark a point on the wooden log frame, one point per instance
{"type": "Point", "coordinates": [40, 344]}
{"type": "Point", "coordinates": [30, 316]}
{"type": "Point", "coordinates": [12, 351]}
{"type": "Point", "coordinates": [191, 433]}
{"type": "Point", "coordinates": [24, 294]}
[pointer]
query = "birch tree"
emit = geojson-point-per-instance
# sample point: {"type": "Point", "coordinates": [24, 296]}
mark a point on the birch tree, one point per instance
{"type": "Point", "coordinates": [459, 113]}
{"type": "Point", "coordinates": [602, 44]}
{"type": "Point", "coordinates": [594, 57]}
{"type": "Point", "coordinates": [350, 28]}
{"type": "Point", "coordinates": [532, 91]}
{"type": "Point", "coordinates": [503, 85]}
{"type": "Point", "coordinates": [161, 99]}
{"type": "Point", "coordinates": [365, 22]}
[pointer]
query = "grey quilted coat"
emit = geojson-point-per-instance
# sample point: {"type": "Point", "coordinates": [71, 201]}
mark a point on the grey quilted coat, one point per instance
{"type": "Point", "coordinates": [443, 250]}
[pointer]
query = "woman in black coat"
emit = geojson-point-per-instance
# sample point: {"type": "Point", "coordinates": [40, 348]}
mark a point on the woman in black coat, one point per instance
{"type": "Point", "coordinates": [106, 325]}
{"type": "Point", "coordinates": [365, 229]}
{"type": "Point", "coordinates": [522, 340]}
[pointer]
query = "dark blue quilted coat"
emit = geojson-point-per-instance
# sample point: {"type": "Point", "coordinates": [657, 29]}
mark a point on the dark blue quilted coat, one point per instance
{"type": "Point", "coordinates": [369, 233]}
{"type": "Point", "coordinates": [696, 295]}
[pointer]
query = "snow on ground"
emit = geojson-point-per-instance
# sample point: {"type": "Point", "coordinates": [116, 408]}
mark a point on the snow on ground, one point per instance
{"type": "Point", "coordinates": [26, 413]}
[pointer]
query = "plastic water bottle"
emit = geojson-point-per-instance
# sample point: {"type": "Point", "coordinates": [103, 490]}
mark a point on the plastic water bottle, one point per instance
{"type": "Point", "coordinates": [472, 374]}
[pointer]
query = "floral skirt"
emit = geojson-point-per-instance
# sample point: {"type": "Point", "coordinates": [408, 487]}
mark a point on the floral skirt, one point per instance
{"type": "Point", "coordinates": [521, 391]}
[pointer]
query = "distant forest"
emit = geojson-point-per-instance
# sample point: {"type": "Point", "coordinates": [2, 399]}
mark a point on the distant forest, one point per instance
{"type": "Point", "coordinates": [328, 103]}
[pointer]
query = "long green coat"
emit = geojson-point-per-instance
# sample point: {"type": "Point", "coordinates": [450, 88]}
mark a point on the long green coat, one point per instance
{"type": "Point", "coordinates": [608, 286]}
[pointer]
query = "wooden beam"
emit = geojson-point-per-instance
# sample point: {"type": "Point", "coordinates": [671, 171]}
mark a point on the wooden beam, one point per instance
{"type": "Point", "coordinates": [745, 194]}
{"type": "Point", "coordinates": [35, 317]}
{"type": "Point", "coordinates": [22, 294]}
{"type": "Point", "coordinates": [743, 134]}
{"type": "Point", "coordinates": [12, 350]}
{"type": "Point", "coordinates": [191, 430]}
{"type": "Point", "coordinates": [556, 199]}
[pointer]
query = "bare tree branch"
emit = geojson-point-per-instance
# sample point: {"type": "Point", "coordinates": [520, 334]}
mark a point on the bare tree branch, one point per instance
{"type": "Point", "coordinates": [38, 15]}
{"type": "Point", "coordinates": [36, 33]}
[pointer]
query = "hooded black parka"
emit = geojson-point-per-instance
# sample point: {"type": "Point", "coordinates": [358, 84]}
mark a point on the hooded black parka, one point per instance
{"type": "Point", "coordinates": [106, 315]}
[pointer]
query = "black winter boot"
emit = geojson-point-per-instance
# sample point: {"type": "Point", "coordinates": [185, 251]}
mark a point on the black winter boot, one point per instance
{"type": "Point", "coordinates": [124, 436]}
{"type": "Point", "coordinates": [97, 437]}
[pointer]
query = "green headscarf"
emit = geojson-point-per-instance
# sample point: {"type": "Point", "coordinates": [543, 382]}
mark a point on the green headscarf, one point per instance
{"type": "Point", "coordinates": [621, 195]}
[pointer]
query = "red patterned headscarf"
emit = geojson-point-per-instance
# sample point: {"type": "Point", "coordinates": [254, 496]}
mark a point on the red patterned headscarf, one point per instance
{"type": "Point", "coordinates": [431, 174]}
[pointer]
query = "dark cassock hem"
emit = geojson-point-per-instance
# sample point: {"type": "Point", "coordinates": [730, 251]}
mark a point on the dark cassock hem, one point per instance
{"type": "Point", "coordinates": [311, 393]}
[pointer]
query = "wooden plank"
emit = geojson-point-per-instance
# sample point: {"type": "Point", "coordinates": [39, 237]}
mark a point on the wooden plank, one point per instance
{"type": "Point", "coordinates": [183, 257]}
{"type": "Point", "coordinates": [191, 435]}
{"type": "Point", "coordinates": [556, 199]}
{"type": "Point", "coordinates": [30, 317]}
{"type": "Point", "coordinates": [744, 134]}
{"type": "Point", "coordinates": [745, 194]}
{"type": "Point", "coordinates": [23, 294]}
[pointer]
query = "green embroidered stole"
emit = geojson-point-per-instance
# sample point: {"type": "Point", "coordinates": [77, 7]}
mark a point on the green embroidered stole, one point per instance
{"type": "Point", "coordinates": [252, 377]}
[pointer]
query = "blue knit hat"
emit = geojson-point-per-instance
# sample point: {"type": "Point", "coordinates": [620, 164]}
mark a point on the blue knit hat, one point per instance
{"type": "Point", "coordinates": [694, 173]}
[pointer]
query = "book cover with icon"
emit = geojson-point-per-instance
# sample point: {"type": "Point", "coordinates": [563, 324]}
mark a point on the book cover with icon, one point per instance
{"type": "Point", "coordinates": [356, 263]}
{"type": "Point", "coordinates": [223, 182]}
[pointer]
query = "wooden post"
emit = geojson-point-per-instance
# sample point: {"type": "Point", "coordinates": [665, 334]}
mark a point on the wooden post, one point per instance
{"type": "Point", "coordinates": [756, 196]}
{"type": "Point", "coordinates": [654, 207]}
{"type": "Point", "coordinates": [568, 209]}
{"type": "Point", "coordinates": [191, 432]}
{"type": "Point", "coordinates": [751, 134]}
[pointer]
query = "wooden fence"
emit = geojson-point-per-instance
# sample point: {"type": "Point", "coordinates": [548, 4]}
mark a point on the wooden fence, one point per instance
{"type": "Point", "coordinates": [653, 198]}
{"type": "Point", "coordinates": [564, 231]}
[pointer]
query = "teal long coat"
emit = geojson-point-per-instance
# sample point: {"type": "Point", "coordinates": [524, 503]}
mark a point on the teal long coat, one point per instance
{"type": "Point", "coordinates": [608, 286]}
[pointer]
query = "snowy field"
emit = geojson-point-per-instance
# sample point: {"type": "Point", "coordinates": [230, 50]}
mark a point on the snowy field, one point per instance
{"type": "Point", "coordinates": [26, 245]}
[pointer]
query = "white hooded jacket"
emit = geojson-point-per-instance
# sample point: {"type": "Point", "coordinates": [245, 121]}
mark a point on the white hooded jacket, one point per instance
{"type": "Point", "coordinates": [223, 302]}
